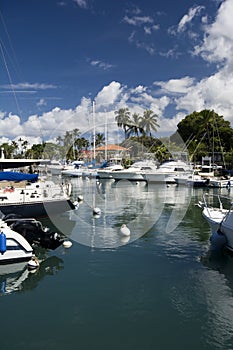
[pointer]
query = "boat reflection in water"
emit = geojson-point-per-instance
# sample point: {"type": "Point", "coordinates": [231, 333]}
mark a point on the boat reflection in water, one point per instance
{"type": "Point", "coordinates": [217, 284]}
{"type": "Point", "coordinates": [18, 278]}
{"type": "Point", "coordinates": [220, 262]}
{"type": "Point", "coordinates": [135, 204]}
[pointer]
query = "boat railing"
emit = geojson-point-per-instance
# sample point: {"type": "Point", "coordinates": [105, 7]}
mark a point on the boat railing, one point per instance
{"type": "Point", "coordinates": [216, 201]}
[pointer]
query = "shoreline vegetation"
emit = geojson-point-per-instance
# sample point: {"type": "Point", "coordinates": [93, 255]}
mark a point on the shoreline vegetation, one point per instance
{"type": "Point", "coordinates": [198, 135]}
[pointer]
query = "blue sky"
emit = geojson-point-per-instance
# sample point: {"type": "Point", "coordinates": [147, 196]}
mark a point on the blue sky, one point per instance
{"type": "Point", "coordinates": [57, 56]}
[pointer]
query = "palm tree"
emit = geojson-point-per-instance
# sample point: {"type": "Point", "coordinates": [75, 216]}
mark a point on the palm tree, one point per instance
{"type": "Point", "coordinates": [59, 139]}
{"type": "Point", "coordinates": [81, 143]}
{"type": "Point", "coordinates": [24, 146]}
{"type": "Point", "coordinates": [75, 134]}
{"type": "Point", "coordinates": [15, 146]}
{"type": "Point", "coordinates": [135, 125]}
{"type": "Point", "coordinates": [123, 119]}
{"type": "Point", "coordinates": [149, 122]}
{"type": "Point", "coordinates": [99, 139]}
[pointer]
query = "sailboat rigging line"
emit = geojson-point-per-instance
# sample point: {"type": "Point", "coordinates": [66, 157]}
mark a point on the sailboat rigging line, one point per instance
{"type": "Point", "coordinates": [198, 145]}
{"type": "Point", "coordinates": [14, 63]}
{"type": "Point", "coordinates": [13, 56]}
{"type": "Point", "coordinates": [9, 77]}
{"type": "Point", "coordinates": [187, 143]}
{"type": "Point", "coordinates": [221, 147]}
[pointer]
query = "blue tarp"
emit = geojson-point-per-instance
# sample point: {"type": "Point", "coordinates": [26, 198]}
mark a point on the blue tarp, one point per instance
{"type": "Point", "coordinates": [15, 176]}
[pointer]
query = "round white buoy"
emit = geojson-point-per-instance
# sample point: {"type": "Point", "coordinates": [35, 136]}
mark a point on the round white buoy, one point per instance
{"type": "Point", "coordinates": [96, 211]}
{"type": "Point", "coordinates": [124, 239]}
{"type": "Point", "coordinates": [67, 244]}
{"type": "Point", "coordinates": [33, 263]}
{"type": "Point", "coordinates": [124, 230]}
{"type": "Point", "coordinates": [80, 198]}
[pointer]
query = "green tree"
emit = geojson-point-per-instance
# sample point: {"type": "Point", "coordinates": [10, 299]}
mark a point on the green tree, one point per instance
{"type": "Point", "coordinates": [205, 133]}
{"type": "Point", "coordinates": [15, 146]}
{"type": "Point", "coordinates": [149, 122]}
{"type": "Point", "coordinates": [162, 153]}
{"type": "Point", "coordinates": [24, 146]}
{"type": "Point", "coordinates": [123, 119]}
{"type": "Point", "coordinates": [59, 139]}
{"type": "Point", "coordinates": [8, 150]}
{"type": "Point", "coordinates": [37, 150]}
{"type": "Point", "coordinates": [99, 139]}
{"type": "Point", "coordinates": [134, 127]}
{"type": "Point", "coordinates": [82, 143]}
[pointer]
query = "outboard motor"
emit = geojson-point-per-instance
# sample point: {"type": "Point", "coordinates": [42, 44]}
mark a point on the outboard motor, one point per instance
{"type": "Point", "coordinates": [35, 233]}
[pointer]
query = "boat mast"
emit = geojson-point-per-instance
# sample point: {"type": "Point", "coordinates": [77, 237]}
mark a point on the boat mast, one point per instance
{"type": "Point", "coordinates": [106, 138]}
{"type": "Point", "coordinates": [93, 113]}
{"type": "Point", "coordinates": [213, 140]}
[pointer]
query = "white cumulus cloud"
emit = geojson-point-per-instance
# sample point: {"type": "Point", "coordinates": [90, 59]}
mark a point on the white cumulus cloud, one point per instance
{"type": "Point", "coordinates": [187, 18]}
{"type": "Point", "coordinates": [217, 45]}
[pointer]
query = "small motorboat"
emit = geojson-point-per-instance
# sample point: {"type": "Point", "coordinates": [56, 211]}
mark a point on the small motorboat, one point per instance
{"type": "Point", "coordinates": [220, 220]}
{"type": "Point", "coordinates": [13, 246]}
{"type": "Point", "coordinates": [34, 232]}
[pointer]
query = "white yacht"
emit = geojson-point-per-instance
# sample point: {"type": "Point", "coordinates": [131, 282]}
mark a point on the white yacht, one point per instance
{"type": "Point", "coordinates": [55, 167]}
{"type": "Point", "coordinates": [136, 172]}
{"type": "Point", "coordinates": [75, 169]}
{"type": "Point", "coordinates": [107, 173]}
{"type": "Point", "coordinates": [202, 175]}
{"type": "Point", "coordinates": [191, 180]}
{"type": "Point", "coordinates": [167, 172]}
{"type": "Point", "coordinates": [114, 164]}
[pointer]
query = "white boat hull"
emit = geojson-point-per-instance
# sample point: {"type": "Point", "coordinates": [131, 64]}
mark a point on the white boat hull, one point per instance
{"type": "Point", "coordinates": [135, 172]}
{"type": "Point", "coordinates": [222, 219]}
{"type": "Point", "coordinates": [108, 172]}
{"type": "Point", "coordinates": [214, 217]}
{"type": "Point", "coordinates": [128, 175]}
{"type": "Point", "coordinates": [73, 173]}
{"type": "Point", "coordinates": [161, 177]}
{"type": "Point", "coordinates": [17, 248]}
{"type": "Point", "coordinates": [35, 200]}
{"type": "Point", "coordinates": [227, 229]}
{"type": "Point", "coordinates": [168, 171]}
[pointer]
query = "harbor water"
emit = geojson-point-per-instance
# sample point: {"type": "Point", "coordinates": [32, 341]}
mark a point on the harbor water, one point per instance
{"type": "Point", "coordinates": [160, 288]}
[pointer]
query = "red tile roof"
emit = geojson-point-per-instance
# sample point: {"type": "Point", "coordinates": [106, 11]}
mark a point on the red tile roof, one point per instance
{"type": "Point", "coordinates": [111, 148]}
